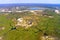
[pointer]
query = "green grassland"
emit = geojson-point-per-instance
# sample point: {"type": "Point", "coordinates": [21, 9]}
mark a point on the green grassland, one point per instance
{"type": "Point", "coordinates": [51, 26]}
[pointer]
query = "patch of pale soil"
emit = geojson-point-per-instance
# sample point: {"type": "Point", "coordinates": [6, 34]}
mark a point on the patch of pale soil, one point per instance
{"type": "Point", "coordinates": [3, 28]}
{"type": "Point", "coordinates": [51, 17]}
{"type": "Point", "coordinates": [48, 38]}
{"type": "Point", "coordinates": [1, 38]}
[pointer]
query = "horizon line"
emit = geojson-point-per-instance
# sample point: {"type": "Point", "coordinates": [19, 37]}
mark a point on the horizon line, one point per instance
{"type": "Point", "coordinates": [27, 3]}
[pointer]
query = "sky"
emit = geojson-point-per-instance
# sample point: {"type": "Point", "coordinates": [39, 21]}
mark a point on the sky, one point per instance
{"type": "Point", "coordinates": [30, 1]}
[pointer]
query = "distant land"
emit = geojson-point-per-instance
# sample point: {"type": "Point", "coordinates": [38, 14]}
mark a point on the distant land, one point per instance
{"type": "Point", "coordinates": [51, 6]}
{"type": "Point", "coordinates": [30, 4]}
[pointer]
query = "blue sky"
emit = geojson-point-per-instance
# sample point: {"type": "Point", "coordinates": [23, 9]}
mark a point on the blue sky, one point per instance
{"type": "Point", "coordinates": [30, 1]}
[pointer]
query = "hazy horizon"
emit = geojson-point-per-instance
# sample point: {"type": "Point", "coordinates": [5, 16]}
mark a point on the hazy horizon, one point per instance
{"type": "Point", "coordinates": [29, 1]}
